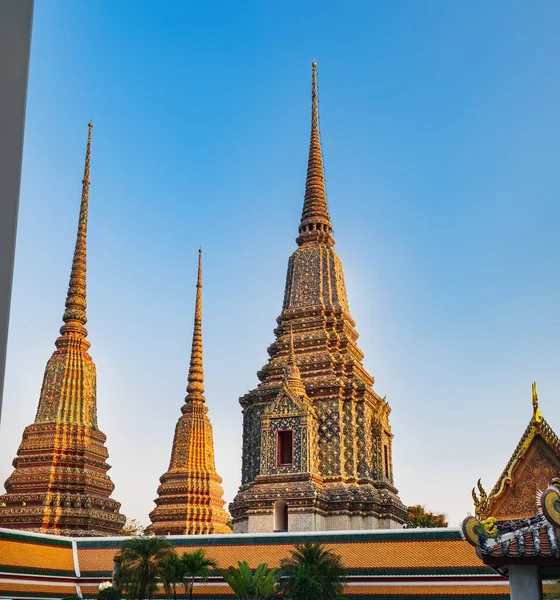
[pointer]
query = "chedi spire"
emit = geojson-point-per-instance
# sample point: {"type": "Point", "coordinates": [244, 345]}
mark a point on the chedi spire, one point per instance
{"type": "Point", "coordinates": [195, 387]}
{"type": "Point", "coordinates": [75, 314]}
{"type": "Point", "coordinates": [60, 483]}
{"type": "Point", "coordinates": [315, 222]}
{"type": "Point", "coordinates": [190, 497]}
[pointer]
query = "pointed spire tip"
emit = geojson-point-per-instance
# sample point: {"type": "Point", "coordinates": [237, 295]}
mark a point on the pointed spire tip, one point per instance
{"type": "Point", "coordinates": [199, 278]}
{"type": "Point", "coordinates": [74, 316]}
{"type": "Point", "coordinates": [195, 387]}
{"type": "Point", "coordinates": [315, 224]}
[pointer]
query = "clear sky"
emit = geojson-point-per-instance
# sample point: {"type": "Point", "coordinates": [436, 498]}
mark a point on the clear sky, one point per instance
{"type": "Point", "coordinates": [440, 124]}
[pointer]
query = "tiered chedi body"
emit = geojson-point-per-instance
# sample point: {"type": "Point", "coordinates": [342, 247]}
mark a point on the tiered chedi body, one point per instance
{"type": "Point", "coordinates": [190, 497]}
{"type": "Point", "coordinates": [60, 483]}
{"type": "Point", "coordinates": [338, 472]}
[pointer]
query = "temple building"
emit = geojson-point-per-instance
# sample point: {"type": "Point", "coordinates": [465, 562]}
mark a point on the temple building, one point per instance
{"type": "Point", "coordinates": [532, 466]}
{"type": "Point", "coordinates": [516, 528]}
{"type": "Point", "coordinates": [316, 436]}
{"type": "Point", "coordinates": [190, 497]}
{"type": "Point", "coordinates": [60, 484]}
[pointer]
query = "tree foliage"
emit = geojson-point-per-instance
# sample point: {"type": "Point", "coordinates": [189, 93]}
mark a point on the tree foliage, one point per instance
{"type": "Point", "coordinates": [310, 568]}
{"type": "Point", "coordinates": [140, 564]}
{"type": "Point", "coordinates": [260, 584]}
{"type": "Point", "coordinates": [146, 561]}
{"type": "Point", "coordinates": [171, 572]}
{"type": "Point", "coordinates": [132, 527]}
{"type": "Point", "coordinates": [109, 593]}
{"type": "Point", "coordinates": [196, 565]}
{"type": "Point", "coordinates": [418, 516]}
{"type": "Point", "coordinates": [305, 586]}
{"type": "Point", "coordinates": [552, 592]}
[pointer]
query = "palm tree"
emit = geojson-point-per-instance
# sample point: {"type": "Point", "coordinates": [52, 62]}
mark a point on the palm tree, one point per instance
{"type": "Point", "coordinates": [305, 586]}
{"type": "Point", "coordinates": [260, 584]}
{"type": "Point", "coordinates": [197, 565]}
{"type": "Point", "coordinates": [172, 572]}
{"type": "Point", "coordinates": [140, 560]}
{"type": "Point", "coordinates": [312, 562]}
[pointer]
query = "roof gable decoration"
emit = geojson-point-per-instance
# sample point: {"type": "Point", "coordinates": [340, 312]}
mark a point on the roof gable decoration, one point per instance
{"type": "Point", "coordinates": [287, 404]}
{"type": "Point", "coordinates": [292, 399]}
{"type": "Point", "coordinates": [529, 467]}
{"type": "Point", "coordinates": [534, 536]}
{"type": "Point", "coordinates": [548, 503]}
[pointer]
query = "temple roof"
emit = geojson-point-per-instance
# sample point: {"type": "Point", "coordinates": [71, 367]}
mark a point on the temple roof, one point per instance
{"type": "Point", "coordinates": [538, 444]}
{"type": "Point", "coordinates": [386, 563]}
{"type": "Point", "coordinates": [530, 540]}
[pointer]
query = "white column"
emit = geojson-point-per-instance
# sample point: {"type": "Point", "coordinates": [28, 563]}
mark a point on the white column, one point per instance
{"type": "Point", "coordinates": [525, 582]}
{"type": "Point", "coordinates": [15, 39]}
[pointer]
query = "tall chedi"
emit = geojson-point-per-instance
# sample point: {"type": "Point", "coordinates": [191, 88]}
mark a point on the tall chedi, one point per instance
{"type": "Point", "coordinates": [190, 497]}
{"type": "Point", "coordinates": [316, 436]}
{"type": "Point", "coordinates": [60, 483]}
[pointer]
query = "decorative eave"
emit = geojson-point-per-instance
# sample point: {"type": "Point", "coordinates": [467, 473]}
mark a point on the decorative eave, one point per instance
{"type": "Point", "coordinates": [537, 427]}
{"type": "Point", "coordinates": [533, 540]}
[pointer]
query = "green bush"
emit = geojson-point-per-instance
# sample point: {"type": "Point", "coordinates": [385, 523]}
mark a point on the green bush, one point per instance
{"type": "Point", "coordinates": [109, 594]}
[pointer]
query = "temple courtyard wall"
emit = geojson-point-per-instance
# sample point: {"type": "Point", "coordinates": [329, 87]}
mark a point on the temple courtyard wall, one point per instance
{"type": "Point", "coordinates": [390, 564]}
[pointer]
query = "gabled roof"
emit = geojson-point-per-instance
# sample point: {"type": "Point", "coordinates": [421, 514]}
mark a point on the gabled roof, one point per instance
{"type": "Point", "coordinates": [287, 403]}
{"type": "Point", "coordinates": [532, 541]}
{"type": "Point", "coordinates": [487, 505]}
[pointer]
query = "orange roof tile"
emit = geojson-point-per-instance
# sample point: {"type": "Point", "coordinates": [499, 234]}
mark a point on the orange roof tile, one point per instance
{"type": "Point", "coordinates": [34, 589]}
{"type": "Point", "coordinates": [35, 556]}
{"type": "Point", "coordinates": [404, 563]}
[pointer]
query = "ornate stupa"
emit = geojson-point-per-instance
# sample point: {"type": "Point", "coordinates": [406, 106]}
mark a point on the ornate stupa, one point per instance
{"type": "Point", "coordinates": [190, 497]}
{"type": "Point", "coordinates": [316, 436]}
{"type": "Point", "coordinates": [60, 483]}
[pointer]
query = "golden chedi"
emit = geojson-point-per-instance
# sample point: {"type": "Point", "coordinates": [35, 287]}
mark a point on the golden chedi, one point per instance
{"type": "Point", "coordinates": [190, 497]}
{"type": "Point", "coordinates": [60, 483]}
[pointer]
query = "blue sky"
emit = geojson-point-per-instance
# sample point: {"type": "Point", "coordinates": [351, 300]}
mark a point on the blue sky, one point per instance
{"type": "Point", "coordinates": [440, 124]}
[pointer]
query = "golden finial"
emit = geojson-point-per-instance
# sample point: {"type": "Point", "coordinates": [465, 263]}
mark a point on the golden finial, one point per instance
{"type": "Point", "coordinates": [195, 387]}
{"type": "Point", "coordinates": [75, 314]}
{"type": "Point", "coordinates": [482, 504]}
{"type": "Point", "coordinates": [315, 221]}
{"type": "Point", "coordinates": [535, 396]}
